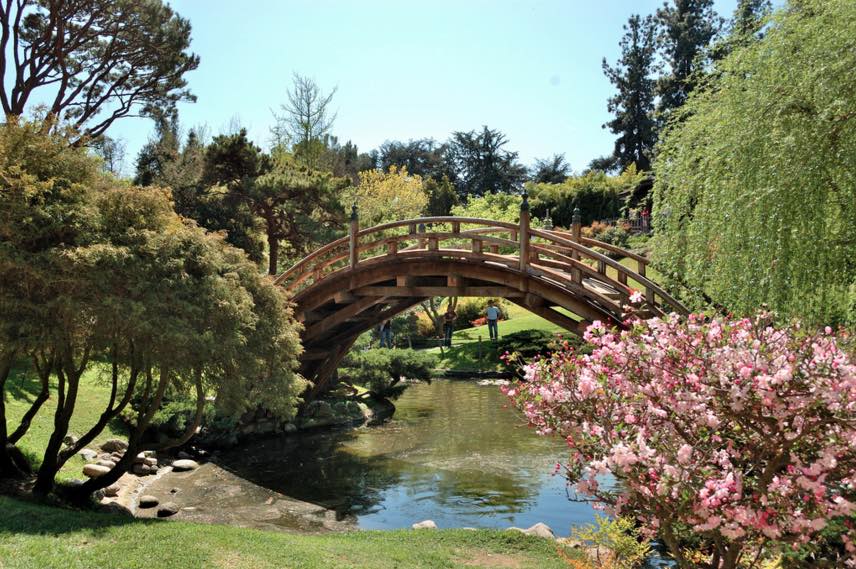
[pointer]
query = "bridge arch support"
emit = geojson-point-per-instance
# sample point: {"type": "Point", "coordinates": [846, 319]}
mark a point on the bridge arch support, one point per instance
{"type": "Point", "coordinates": [352, 284]}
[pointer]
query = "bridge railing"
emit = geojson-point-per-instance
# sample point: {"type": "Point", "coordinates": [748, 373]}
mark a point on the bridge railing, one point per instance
{"type": "Point", "coordinates": [565, 258]}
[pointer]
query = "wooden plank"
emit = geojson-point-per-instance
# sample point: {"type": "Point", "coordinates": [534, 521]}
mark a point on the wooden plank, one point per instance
{"type": "Point", "coordinates": [425, 291]}
{"type": "Point", "coordinates": [342, 315]}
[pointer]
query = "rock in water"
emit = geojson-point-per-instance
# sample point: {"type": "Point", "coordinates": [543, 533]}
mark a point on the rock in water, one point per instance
{"type": "Point", "coordinates": [95, 470]}
{"type": "Point", "coordinates": [427, 524]}
{"type": "Point", "coordinates": [184, 464]}
{"type": "Point", "coordinates": [168, 509]}
{"type": "Point", "coordinates": [114, 445]}
{"type": "Point", "coordinates": [148, 501]}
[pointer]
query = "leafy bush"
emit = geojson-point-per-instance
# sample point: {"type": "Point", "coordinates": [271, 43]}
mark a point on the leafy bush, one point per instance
{"type": "Point", "coordinates": [595, 193]}
{"type": "Point", "coordinates": [738, 430]}
{"type": "Point", "coordinates": [528, 343]}
{"type": "Point", "coordinates": [612, 234]}
{"type": "Point", "coordinates": [382, 370]}
{"type": "Point", "coordinates": [619, 537]}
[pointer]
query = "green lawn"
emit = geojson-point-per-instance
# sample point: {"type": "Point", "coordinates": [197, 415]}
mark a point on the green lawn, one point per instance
{"type": "Point", "coordinates": [41, 537]}
{"type": "Point", "coordinates": [464, 354]}
{"type": "Point", "coordinates": [23, 387]}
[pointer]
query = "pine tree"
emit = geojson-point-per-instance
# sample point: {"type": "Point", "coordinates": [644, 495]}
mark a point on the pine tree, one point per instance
{"type": "Point", "coordinates": [633, 104]}
{"type": "Point", "coordinates": [687, 28]}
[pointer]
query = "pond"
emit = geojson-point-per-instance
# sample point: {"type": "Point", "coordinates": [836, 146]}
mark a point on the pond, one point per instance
{"type": "Point", "coordinates": [454, 452]}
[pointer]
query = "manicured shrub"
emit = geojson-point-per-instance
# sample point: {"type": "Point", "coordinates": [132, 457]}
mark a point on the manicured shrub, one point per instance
{"type": "Point", "coordinates": [381, 370]}
{"type": "Point", "coordinates": [738, 431]}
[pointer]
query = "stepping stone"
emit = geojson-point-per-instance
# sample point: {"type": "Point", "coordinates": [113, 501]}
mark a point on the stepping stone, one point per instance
{"type": "Point", "coordinates": [184, 464]}
{"type": "Point", "coordinates": [95, 470]}
{"type": "Point", "coordinates": [148, 501]}
{"type": "Point", "coordinates": [168, 509]}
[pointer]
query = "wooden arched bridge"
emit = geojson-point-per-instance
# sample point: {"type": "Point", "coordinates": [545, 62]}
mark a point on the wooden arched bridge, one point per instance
{"type": "Point", "coordinates": [354, 283]}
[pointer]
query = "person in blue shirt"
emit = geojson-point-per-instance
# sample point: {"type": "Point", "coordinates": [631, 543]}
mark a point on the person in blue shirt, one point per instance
{"type": "Point", "coordinates": [493, 314]}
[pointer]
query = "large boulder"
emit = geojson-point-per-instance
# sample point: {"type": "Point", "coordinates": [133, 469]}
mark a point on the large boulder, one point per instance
{"type": "Point", "coordinates": [184, 464]}
{"type": "Point", "coordinates": [95, 470]}
{"type": "Point", "coordinates": [114, 445]}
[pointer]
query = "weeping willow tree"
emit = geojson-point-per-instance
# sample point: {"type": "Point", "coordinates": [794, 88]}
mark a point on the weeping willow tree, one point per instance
{"type": "Point", "coordinates": [755, 198]}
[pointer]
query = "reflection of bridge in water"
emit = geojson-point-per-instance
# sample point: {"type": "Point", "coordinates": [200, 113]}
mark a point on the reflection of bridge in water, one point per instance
{"type": "Point", "coordinates": [354, 283]}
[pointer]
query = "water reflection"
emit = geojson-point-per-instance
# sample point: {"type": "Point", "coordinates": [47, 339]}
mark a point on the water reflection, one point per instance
{"type": "Point", "coordinates": [454, 453]}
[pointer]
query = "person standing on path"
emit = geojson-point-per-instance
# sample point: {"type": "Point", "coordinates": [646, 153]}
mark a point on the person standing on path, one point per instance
{"type": "Point", "coordinates": [492, 314]}
{"type": "Point", "coordinates": [386, 334]}
{"type": "Point", "coordinates": [449, 325]}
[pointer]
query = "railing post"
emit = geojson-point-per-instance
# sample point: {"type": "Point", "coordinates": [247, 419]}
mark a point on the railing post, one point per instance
{"type": "Point", "coordinates": [524, 233]}
{"type": "Point", "coordinates": [576, 233]}
{"type": "Point", "coordinates": [352, 237]}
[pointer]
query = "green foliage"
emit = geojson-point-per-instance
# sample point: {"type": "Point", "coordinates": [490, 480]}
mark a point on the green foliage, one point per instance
{"type": "Point", "coordinates": [91, 62]}
{"type": "Point", "coordinates": [381, 370]}
{"type": "Point", "coordinates": [625, 548]}
{"type": "Point", "coordinates": [608, 233]}
{"type": "Point", "coordinates": [441, 196]}
{"type": "Point", "coordinates": [754, 193]}
{"type": "Point", "coordinates": [496, 207]}
{"type": "Point", "coordinates": [597, 194]}
{"type": "Point", "coordinates": [481, 164]}
{"type": "Point", "coordinates": [384, 196]}
{"type": "Point", "coordinates": [686, 29]}
{"type": "Point", "coordinates": [527, 343]}
{"type": "Point", "coordinates": [633, 104]}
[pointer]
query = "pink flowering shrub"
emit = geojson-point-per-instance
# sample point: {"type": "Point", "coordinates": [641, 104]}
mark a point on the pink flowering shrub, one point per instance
{"type": "Point", "coordinates": [735, 430]}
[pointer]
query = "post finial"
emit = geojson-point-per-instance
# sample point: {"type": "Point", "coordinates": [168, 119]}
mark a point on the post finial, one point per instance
{"type": "Point", "coordinates": [577, 218]}
{"type": "Point", "coordinates": [354, 212]}
{"type": "Point", "coordinates": [524, 205]}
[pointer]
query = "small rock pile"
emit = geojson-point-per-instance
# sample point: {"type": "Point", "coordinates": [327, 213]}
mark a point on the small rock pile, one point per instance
{"type": "Point", "coordinates": [113, 451]}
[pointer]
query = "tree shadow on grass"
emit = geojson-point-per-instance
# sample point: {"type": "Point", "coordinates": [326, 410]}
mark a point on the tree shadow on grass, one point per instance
{"type": "Point", "coordinates": [20, 516]}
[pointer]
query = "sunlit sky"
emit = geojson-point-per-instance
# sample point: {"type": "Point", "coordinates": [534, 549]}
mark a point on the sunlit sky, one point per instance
{"type": "Point", "coordinates": [407, 69]}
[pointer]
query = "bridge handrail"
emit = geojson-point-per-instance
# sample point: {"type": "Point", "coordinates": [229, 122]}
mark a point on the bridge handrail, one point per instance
{"type": "Point", "coordinates": [582, 246]}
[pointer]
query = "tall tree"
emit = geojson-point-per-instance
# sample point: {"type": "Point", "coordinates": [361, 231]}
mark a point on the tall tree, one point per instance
{"type": "Point", "coordinates": [551, 170]}
{"type": "Point", "coordinates": [481, 165]}
{"type": "Point", "coordinates": [686, 29]}
{"type": "Point", "coordinates": [297, 205]}
{"type": "Point", "coordinates": [749, 17]}
{"type": "Point", "coordinates": [633, 104]}
{"type": "Point", "coordinates": [421, 157]}
{"type": "Point", "coordinates": [306, 117]}
{"type": "Point", "coordinates": [753, 197]}
{"type": "Point", "coordinates": [93, 61]}
{"type": "Point", "coordinates": [159, 151]}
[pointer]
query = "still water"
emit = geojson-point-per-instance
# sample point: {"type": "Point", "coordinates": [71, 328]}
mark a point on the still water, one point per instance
{"type": "Point", "coordinates": [454, 452]}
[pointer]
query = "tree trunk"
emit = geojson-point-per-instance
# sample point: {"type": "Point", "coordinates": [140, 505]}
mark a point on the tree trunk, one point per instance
{"type": "Point", "coordinates": [80, 494]}
{"type": "Point", "coordinates": [109, 413]}
{"type": "Point", "coordinates": [44, 370]}
{"type": "Point", "coordinates": [8, 468]}
{"type": "Point", "coordinates": [68, 374]}
{"type": "Point", "coordinates": [273, 246]}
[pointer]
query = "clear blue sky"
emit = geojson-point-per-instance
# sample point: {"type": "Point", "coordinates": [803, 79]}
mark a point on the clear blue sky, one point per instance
{"type": "Point", "coordinates": [407, 69]}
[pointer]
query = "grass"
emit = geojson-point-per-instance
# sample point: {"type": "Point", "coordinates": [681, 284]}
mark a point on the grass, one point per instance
{"type": "Point", "coordinates": [464, 353]}
{"type": "Point", "coordinates": [36, 536]}
{"type": "Point", "coordinates": [23, 387]}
